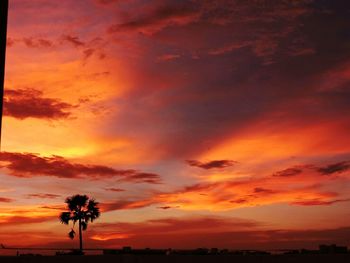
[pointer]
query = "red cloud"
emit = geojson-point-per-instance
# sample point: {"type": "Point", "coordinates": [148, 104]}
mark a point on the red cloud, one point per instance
{"type": "Point", "coordinates": [126, 204]}
{"type": "Point", "coordinates": [211, 164]}
{"type": "Point", "coordinates": [30, 103]}
{"type": "Point", "coordinates": [114, 189]}
{"type": "Point", "coordinates": [178, 225]}
{"type": "Point", "coordinates": [289, 172]}
{"type": "Point", "coordinates": [30, 165]}
{"type": "Point", "coordinates": [259, 190]}
{"type": "Point", "coordinates": [5, 200]}
{"type": "Point", "coordinates": [319, 202]}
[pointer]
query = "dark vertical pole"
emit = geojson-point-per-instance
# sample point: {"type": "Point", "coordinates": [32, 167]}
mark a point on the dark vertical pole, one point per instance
{"type": "Point", "coordinates": [80, 237]}
{"type": "Point", "coordinates": [3, 37]}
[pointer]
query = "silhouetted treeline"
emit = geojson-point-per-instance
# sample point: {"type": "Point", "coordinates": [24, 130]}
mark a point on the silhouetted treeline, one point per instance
{"type": "Point", "coordinates": [323, 249]}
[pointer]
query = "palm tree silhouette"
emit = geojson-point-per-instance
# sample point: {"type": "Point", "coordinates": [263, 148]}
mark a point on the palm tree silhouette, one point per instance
{"type": "Point", "coordinates": [81, 209]}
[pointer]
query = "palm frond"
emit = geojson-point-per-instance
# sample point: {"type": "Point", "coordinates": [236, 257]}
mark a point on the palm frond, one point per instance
{"type": "Point", "coordinates": [71, 234]}
{"type": "Point", "coordinates": [92, 204]}
{"type": "Point", "coordinates": [65, 217]}
{"type": "Point", "coordinates": [84, 225]}
{"type": "Point", "coordinates": [76, 202]}
{"type": "Point", "coordinates": [93, 210]}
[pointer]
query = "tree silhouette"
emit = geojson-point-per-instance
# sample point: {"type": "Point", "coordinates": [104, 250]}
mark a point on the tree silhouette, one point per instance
{"type": "Point", "coordinates": [81, 209]}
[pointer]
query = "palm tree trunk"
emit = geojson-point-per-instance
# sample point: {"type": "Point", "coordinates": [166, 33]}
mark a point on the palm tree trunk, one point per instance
{"type": "Point", "coordinates": [80, 237]}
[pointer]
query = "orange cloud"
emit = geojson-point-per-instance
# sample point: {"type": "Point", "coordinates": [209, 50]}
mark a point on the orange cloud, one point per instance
{"type": "Point", "coordinates": [294, 188]}
{"type": "Point", "coordinates": [111, 236]}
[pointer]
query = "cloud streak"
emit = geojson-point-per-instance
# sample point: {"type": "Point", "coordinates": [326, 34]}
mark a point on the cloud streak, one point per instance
{"type": "Point", "coordinates": [158, 18]}
{"type": "Point", "coordinates": [219, 164]}
{"type": "Point", "coordinates": [335, 168]}
{"type": "Point", "coordinates": [43, 196]}
{"type": "Point", "coordinates": [32, 165]}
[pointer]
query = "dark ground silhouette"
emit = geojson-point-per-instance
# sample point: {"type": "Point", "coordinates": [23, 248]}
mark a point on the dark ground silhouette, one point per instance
{"type": "Point", "coordinates": [184, 258]}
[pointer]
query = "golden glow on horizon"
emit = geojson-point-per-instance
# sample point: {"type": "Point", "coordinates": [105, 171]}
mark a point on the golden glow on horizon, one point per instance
{"type": "Point", "coordinates": [102, 237]}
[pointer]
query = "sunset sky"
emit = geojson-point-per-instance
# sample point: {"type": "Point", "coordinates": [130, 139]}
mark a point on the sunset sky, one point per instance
{"type": "Point", "coordinates": [194, 123]}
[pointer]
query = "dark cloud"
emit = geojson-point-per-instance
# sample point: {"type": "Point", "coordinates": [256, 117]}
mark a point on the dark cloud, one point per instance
{"type": "Point", "coordinates": [89, 48]}
{"type": "Point", "coordinates": [31, 42]}
{"type": "Point", "coordinates": [330, 169]}
{"type": "Point", "coordinates": [168, 13]}
{"type": "Point", "coordinates": [37, 42]}
{"type": "Point", "coordinates": [318, 202]}
{"type": "Point", "coordinates": [88, 53]}
{"type": "Point", "coordinates": [73, 40]}
{"type": "Point", "coordinates": [211, 164]}
{"type": "Point", "coordinates": [200, 187]}
{"type": "Point", "coordinates": [44, 196]}
{"type": "Point", "coordinates": [293, 171]}
{"type": "Point", "coordinates": [167, 207]}
{"type": "Point", "coordinates": [239, 201]}
{"type": "Point", "coordinates": [282, 57]}
{"type": "Point", "coordinates": [31, 165]}
{"type": "Point", "coordinates": [334, 168]}
{"type": "Point", "coordinates": [30, 103]}
{"type": "Point", "coordinates": [260, 190]}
